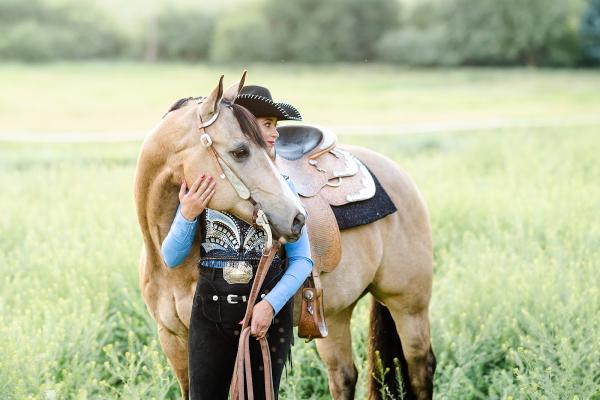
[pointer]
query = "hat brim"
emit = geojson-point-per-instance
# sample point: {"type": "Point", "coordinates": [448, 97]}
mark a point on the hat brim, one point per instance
{"type": "Point", "coordinates": [263, 107]}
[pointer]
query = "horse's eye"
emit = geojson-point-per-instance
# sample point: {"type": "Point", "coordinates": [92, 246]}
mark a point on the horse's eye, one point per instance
{"type": "Point", "coordinates": [240, 154]}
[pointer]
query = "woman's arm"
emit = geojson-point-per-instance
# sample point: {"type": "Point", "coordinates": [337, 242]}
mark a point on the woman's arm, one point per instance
{"type": "Point", "coordinates": [299, 267]}
{"type": "Point", "coordinates": [176, 246]}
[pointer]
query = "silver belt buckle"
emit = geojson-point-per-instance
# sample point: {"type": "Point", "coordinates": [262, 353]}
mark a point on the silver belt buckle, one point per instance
{"type": "Point", "coordinates": [230, 299]}
{"type": "Point", "coordinates": [237, 272]}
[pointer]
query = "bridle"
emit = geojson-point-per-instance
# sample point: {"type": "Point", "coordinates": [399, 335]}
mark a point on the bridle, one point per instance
{"type": "Point", "coordinates": [225, 171]}
{"type": "Point", "coordinates": [242, 362]}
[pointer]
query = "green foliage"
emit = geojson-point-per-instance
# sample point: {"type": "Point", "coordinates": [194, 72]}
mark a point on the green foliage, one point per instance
{"type": "Point", "coordinates": [483, 32]}
{"type": "Point", "coordinates": [379, 376]}
{"type": "Point", "coordinates": [40, 31]}
{"type": "Point", "coordinates": [307, 30]}
{"type": "Point", "coordinates": [184, 34]}
{"type": "Point", "coordinates": [516, 303]}
{"type": "Point", "coordinates": [590, 32]}
{"type": "Point", "coordinates": [244, 36]}
{"type": "Point", "coordinates": [390, 99]}
{"type": "Point", "coordinates": [426, 32]}
{"type": "Point", "coordinates": [413, 46]}
{"type": "Point", "coordinates": [516, 297]}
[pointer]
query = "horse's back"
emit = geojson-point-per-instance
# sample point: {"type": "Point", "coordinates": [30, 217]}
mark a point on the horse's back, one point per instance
{"type": "Point", "coordinates": [396, 182]}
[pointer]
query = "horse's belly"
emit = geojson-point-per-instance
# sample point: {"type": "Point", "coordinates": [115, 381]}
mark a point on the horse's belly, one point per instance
{"type": "Point", "coordinates": [361, 255]}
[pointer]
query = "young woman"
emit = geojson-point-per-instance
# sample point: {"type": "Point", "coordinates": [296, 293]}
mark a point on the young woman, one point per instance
{"type": "Point", "coordinates": [229, 255]}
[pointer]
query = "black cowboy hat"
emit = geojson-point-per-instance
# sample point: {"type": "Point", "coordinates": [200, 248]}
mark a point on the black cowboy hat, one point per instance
{"type": "Point", "coordinates": [259, 101]}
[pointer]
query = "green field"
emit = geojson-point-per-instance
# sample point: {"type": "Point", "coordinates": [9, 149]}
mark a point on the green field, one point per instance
{"type": "Point", "coordinates": [129, 97]}
{"type": "Point", "coordinates": [516, 301]}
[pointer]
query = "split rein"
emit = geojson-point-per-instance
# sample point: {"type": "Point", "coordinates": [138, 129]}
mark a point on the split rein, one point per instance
{"type": "Point", "coordinates": [242, 362]}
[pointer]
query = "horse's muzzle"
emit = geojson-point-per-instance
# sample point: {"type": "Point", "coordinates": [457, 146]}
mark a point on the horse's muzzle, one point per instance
{"type": "Point", "coordinates": [297, 225]}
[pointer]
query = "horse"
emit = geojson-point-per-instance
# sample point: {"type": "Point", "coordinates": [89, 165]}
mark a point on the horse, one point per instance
{"type": "Point", "coordinates": [390, 258]}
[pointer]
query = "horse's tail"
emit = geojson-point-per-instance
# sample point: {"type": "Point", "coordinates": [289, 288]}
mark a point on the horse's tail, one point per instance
{"type": "Point", "coordinates": [387, 366]}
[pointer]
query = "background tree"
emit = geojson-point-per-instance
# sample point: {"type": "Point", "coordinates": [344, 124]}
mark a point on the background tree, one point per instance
{"type": "Point", "coordinates": [487, 32]}
{"type": "Point", "coordinates": [590, 32]}
{"type": "Point", "coordinates": [183, 34]}
{"type": "Point", "coordinates": [308, 30]}
{"type": "Point", "coordinates": [244, 35]}
{"type": "Point", "coordinates": [38, 31]}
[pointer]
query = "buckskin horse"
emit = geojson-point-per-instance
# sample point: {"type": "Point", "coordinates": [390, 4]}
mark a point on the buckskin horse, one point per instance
{"type": "Point", "coordinates": [390, 258]}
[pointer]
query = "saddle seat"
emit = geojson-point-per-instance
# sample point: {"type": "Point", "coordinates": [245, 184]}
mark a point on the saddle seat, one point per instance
{"type": "Point", "coordinates": [324, 176]}
{"type": "Point", "coordinates": [297, 140]}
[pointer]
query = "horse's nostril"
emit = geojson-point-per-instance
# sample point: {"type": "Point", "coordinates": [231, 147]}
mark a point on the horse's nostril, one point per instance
{"type": "Point", "coordinates": [297, 224]}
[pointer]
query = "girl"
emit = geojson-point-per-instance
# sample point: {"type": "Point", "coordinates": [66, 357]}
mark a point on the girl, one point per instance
{"type": "Point", "coordinates": [230, 251]}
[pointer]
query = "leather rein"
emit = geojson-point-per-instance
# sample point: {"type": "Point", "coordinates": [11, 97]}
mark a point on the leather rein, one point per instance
{"type": "Point", "coordinates": [242, 363]}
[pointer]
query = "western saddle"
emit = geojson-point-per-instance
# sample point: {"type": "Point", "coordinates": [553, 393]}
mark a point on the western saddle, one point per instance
{"type": "Point", "coordinates": [324, 176]}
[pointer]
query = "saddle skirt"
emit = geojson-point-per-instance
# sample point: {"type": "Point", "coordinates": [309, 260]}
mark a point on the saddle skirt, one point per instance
{"type": "Point", "coordinates": [324, 176]}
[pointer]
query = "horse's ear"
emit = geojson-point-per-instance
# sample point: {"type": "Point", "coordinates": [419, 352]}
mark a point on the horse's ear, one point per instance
{"type": "Point", "coordinates": [234, 90]}
{"type": "Point", "coordinates": [211, 103]}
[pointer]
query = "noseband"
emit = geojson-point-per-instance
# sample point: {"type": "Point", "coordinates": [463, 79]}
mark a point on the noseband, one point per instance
{"type": "Point", "coordinates": [225, 171]}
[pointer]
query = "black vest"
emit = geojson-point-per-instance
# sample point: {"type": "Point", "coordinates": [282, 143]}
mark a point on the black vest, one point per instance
{"type": "Point", "coordinates": [226, 237]}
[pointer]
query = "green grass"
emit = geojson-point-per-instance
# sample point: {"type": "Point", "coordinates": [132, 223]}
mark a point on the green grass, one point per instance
{"type": "Point", "coordinates": [129, 97]}
{"type": "Point", "coordinates": [516, 301]}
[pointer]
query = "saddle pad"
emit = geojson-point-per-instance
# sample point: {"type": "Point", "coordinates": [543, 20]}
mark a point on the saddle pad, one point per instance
{"type": "Point", "coordinates": [365, 211]}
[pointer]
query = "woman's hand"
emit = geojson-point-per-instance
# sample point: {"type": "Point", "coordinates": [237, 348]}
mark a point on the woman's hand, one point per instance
{"type": "Point", "coordinates": [262, 315]}
{"type": "Point", "coordinates": [195, 200]}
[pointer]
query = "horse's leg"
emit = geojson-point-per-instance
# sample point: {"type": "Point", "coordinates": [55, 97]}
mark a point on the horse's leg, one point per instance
{"type": "Point", "coordinates": [176, 350]}
{"type": "Point", "coordinates": [336, 352]}
{"type": "Point", "coordinates": [412, 325]}
{"type": "Point", "coordinates": [403, 284]}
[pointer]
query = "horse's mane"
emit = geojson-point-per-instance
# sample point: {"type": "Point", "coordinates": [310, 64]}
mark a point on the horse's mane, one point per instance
{"type": "Point", "coordinates": [180, 103]}
{"type": "Point", "coordinates": [244, 117]}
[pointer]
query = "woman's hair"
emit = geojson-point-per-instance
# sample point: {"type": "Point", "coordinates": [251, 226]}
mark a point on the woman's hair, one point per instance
{"type": "Point", "coordinates": [248, 124]}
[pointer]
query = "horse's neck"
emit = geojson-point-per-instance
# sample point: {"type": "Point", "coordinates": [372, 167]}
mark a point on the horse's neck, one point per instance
{"type": "Point", "coordinates": [156, 199]}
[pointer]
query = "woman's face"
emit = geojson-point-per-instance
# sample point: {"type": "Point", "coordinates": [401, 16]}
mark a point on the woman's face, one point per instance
{"type": "Point", "coordinates": [269, 133]}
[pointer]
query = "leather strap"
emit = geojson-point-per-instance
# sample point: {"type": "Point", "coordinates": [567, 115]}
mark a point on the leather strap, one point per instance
{"type": "Point", "coordinates": [215, 157]}
{"type": "Point", "coordinates": [223, 168]}
{"type": "Point", "coordinates": [242, 362]}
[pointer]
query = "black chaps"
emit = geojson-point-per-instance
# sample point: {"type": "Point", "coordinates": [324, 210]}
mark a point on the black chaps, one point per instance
{"type": "Point", "coordinates": [215, 330]}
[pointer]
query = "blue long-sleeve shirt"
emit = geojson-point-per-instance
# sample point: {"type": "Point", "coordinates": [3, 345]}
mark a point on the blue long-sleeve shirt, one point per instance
{"type": "Point", "coordinates": [178, 243]}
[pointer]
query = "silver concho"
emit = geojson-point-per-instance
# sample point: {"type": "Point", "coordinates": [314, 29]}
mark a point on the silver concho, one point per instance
{"type": "Point", "coordinates": [237, 272]}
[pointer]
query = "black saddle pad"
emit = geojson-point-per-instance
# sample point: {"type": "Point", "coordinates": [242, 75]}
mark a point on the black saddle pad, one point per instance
{"type": "Point", "coordinates": [365, 211]}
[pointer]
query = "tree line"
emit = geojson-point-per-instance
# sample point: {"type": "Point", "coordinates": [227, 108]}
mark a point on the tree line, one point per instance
{"type": "Point", "coordinates": [418, 32]}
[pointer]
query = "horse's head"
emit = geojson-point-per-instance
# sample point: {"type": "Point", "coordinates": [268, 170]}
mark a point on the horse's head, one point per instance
{"type": "Point", "coordinates": [212, 135]}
